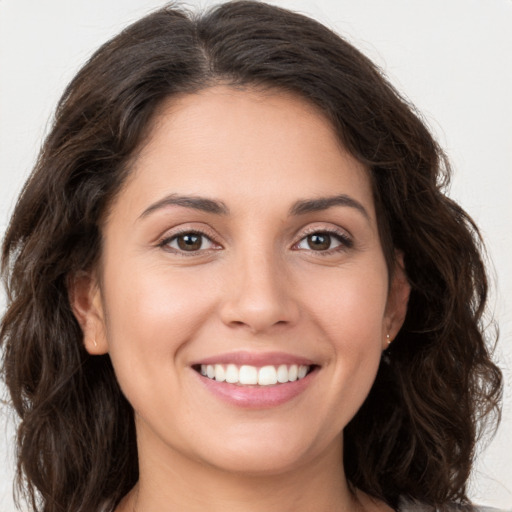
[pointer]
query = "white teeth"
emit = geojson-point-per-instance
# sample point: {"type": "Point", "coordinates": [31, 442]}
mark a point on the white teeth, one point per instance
{"type": "Point", "coordinates": [282, 374]}
{"type": "Point", "coordinates": [267, 376]}
{"type": "Point", "coordinates": [232, 374]}
{"type": "Point", "coordinates": [247, 375]}
{"type": "Point", "coordinates": [303, 370]}
{"type": "Point", "coordinates": [220, 373]}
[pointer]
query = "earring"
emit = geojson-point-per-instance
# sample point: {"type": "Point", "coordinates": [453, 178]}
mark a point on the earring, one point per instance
{"type": "Point", "coordinates": [385, 353]}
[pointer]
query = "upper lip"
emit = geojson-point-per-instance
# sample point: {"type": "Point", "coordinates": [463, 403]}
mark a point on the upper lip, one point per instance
{"type": "Point", "coordinates": [240, 358]}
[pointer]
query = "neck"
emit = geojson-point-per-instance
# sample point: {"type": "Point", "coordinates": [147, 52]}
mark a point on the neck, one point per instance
{"type": "Point", "coordinates": [177, 483]}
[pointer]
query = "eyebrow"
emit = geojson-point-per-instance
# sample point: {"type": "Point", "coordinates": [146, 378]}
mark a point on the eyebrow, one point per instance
{"type": "Point", "coordinates": [197, 203]}
{"type": "Point", "coordinates": [300, 207]}
{"type": "Point", "coordinates": [304, 206]}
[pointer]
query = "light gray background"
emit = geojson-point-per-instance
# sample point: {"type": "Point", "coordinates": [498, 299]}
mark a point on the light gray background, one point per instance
{"type": "Point", "coordinates": [452, 58]}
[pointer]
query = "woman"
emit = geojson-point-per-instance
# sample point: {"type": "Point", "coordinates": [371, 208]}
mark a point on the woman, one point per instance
{"type": "Point", "coordinates": [234, 281]}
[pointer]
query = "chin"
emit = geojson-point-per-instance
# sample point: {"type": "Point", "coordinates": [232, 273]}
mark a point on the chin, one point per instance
{"type": "Point", "coordinates": [259, 463]}
{"type": "Point", "coordinates": [263, 452]}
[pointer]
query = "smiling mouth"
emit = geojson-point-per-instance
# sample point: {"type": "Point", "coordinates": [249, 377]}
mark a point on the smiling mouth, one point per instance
{"type": "Point", "coordinates": [247, 375]}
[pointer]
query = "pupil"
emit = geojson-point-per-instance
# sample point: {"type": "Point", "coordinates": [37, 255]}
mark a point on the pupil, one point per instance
{"type": "Point", "coordinates": [189, 242]}
{"type": "Point", "coordinates": [319, 242]}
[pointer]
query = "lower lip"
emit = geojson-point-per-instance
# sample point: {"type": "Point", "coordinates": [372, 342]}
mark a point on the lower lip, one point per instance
{"type": "Point", "coordinates": [257, 397]}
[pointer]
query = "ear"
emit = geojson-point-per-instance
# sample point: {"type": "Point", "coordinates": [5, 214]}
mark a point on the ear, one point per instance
{"type": "Point", "coordinates": [398, 298]}
{"type": "Point", "coordinates": [86, 302]}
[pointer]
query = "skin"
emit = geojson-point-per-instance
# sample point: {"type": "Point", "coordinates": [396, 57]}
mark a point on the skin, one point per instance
{"type": "Point", "coordinates": [257, 285]}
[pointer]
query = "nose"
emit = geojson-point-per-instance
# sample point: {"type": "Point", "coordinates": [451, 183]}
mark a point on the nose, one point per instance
{"type": "Point", "coordinates": [258, 294]}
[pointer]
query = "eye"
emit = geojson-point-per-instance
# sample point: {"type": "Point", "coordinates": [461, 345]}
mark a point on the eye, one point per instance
{"type": "Point", "coordinates": [189, 241]}
{"type": "Point", "coordinates": [322, 241]}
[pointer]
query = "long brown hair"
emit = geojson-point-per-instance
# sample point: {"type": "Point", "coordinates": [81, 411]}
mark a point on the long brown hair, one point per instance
{"type": "Point", "coordinates": [415, 434]}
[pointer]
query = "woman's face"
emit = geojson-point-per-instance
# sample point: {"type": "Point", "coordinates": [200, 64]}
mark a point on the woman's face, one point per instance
{"type": "Point", "coordinates": [244, 245]}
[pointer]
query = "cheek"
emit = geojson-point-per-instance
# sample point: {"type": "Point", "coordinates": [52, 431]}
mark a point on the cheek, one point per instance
{"type": "Point", "coordinates": [349, 302]}
{"type": "Point", "coordinates": [151, 313]}
{"type": "Point", "coordinates": [349, 309]}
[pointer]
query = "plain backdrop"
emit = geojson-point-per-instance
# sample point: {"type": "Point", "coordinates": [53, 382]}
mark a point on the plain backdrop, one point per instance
{"type": "Point", "coordinates": [451, 58]}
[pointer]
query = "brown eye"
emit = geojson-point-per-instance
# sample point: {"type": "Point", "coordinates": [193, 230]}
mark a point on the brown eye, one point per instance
{"type": "Point", "coordinates": [322, 241]}
{"type": "Point", "coordinates": [319, 241]}
{"type": "Point", "coordinates": [189, 242]}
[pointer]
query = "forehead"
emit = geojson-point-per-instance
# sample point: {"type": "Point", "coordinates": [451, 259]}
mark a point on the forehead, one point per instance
{"type": "Point", "coordinates": [244, 145]}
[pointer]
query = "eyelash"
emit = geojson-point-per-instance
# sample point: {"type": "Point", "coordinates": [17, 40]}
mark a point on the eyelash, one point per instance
{"type": "Point", "coordinates": [164, 243]}
{"type": "Point", "coordinates": [345, 241]}
{"type": "Point", "coordinates": [342, 237]}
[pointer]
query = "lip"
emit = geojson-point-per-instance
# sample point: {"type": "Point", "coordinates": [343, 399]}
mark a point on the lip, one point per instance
{"type": "Point", "coordinates": [257, 359]}
{"type": "Point", "coordinates": [253, 396]}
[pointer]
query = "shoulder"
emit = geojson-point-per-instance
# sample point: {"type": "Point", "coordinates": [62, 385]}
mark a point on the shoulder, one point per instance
{"type": "Point", "coordinates": [414, 506]}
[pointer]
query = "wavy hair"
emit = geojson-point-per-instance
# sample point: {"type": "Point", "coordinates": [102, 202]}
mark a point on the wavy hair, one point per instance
{"type": "Point", "coordinates": [415, 435]}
